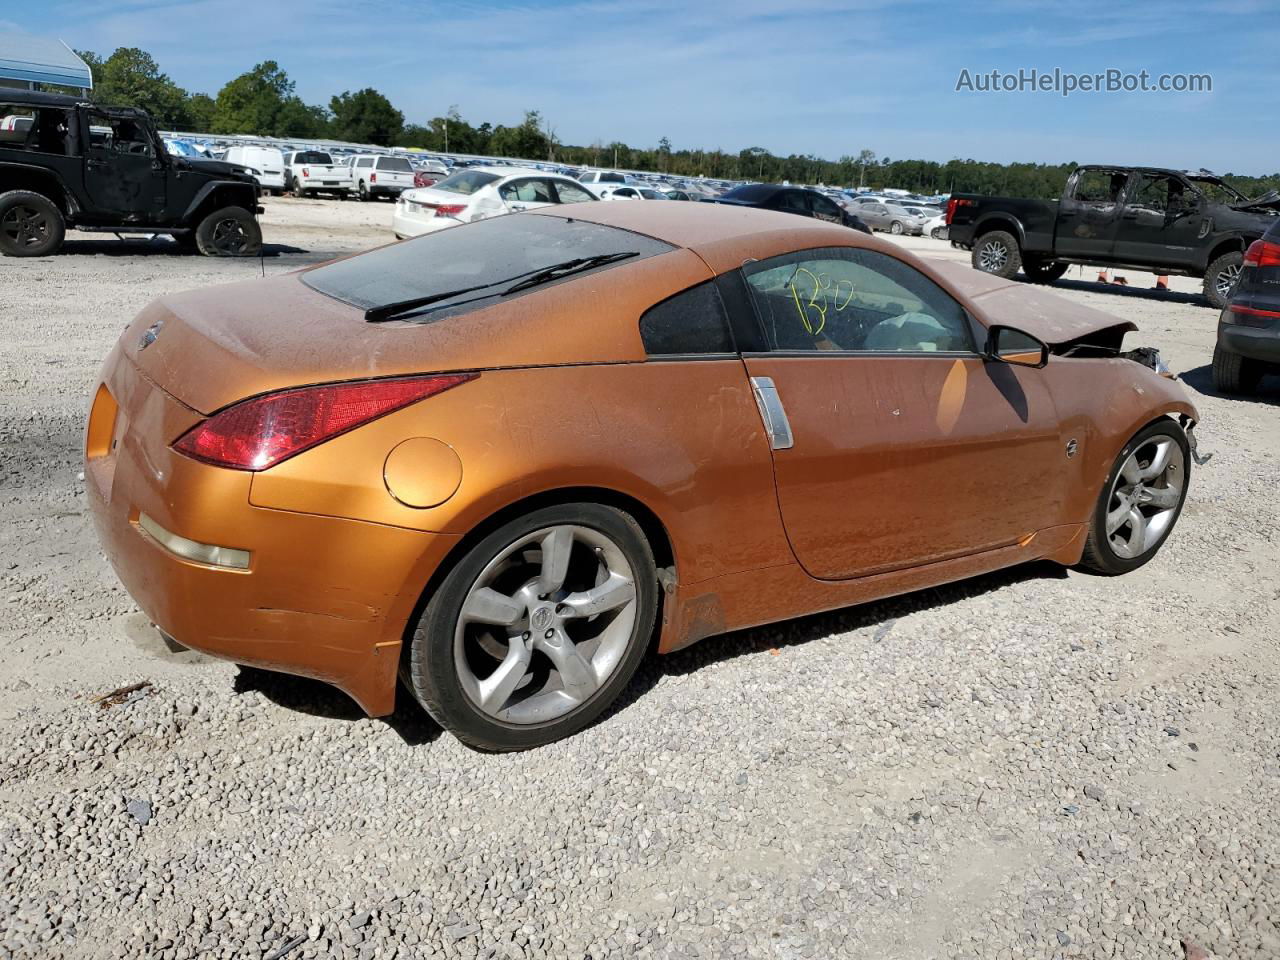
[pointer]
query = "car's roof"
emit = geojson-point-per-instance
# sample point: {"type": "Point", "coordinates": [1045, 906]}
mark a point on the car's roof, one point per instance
{"type": "Point", "coordinates": [723, 235]}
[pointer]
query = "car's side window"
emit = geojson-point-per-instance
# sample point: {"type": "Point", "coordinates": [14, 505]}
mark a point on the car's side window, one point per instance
{"type": "Point", "coordinates": [118, 135]}
{"type": "Point", "coordinates": [846, 299]}
{"type": "Point", "coordinates": [1100, 186]}
{"type": "Point", "coordinates": [568, 193]}
{"type": "Point", "coordinates": [690, 323]}
{"type": "Point", "coordinates": [824, 209]}
{"type": "Point", "coordinates": [527, 191]}
{"type": "Point", "coordinates": [793, 201]}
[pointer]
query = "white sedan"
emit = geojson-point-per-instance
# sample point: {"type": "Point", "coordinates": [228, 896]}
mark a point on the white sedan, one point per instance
{"type": "Point", "coordinates": [477, 193]}
{"type": "Point", "coordinates": [631, 192]}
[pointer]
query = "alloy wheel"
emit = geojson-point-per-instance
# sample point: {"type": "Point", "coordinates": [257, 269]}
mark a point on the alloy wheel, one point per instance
{"type": "Point", "coordinates": [25, 226]}
{"type": "Point", "coordinates": [1145, 496]}
{"type": "Point", "coordinates": [992, 256]}
{"type": "Point", "coordinates": [1226, 280]}
{"type": "Point", "coordinates": [545, 624]}
{"type": "Point", "coordinates": [229, 236]}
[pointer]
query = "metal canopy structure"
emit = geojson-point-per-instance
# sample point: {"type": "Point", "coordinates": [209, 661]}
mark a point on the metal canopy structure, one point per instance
{"type": "Point", "coordinates": [28, 61]}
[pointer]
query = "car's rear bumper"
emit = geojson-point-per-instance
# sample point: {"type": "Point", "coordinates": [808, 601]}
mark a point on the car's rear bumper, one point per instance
{"type": "Point", "coordinates": [321, 597]}
{"type": "Point", "coordinates": [388, 189]}
{"type": "Point", "coordinates": [408, 223]}
{"type": "Point", "coordinates": [1256, 343]}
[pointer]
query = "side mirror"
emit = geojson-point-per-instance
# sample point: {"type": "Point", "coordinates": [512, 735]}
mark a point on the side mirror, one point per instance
{"type": "Point", "coordinates": [1011, 345]}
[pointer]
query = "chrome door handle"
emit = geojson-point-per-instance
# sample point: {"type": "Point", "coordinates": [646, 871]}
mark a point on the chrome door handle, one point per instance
{"type": "Point", "coordinates": [772, 413]}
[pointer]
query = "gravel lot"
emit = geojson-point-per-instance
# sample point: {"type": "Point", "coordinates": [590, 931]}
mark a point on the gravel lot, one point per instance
{"type": "Point", "coordinates": [1037, 763]}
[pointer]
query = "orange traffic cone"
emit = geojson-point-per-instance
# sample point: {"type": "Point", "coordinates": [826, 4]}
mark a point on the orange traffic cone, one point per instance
{"type": "Point", "coordinates": [1162, 281]}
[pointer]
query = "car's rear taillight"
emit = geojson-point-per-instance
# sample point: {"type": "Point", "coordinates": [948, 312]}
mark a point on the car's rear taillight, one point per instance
{"type": "Point", "coordinates": [306, 172]}
{"type": "Point", "coordinates": [373, 178]}
{"type": "Point", "coordinates": [954, 204]}
{"type": "Point", "coordinates": [261, 432]}
{"type": "Point", "coordinates": [450, 209]}
{"type": "Point", "coordinates": [1262, 253]}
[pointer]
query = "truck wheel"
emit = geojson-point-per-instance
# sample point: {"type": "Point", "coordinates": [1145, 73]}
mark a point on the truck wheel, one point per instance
{"type": "Point", "coordinates": [229, 232]}
{"type": "Point", "coordinates": [297, 188]}
{"type": "Point", "coordinates": [1220, 279]}
{"type": "Point", "coordinates": [1043, 271]}
{"type": "Point", "coordinates": [363, 192]}
{"type": "Point", "coordinates": [1233, 373]}
{"type": "Point", "coordinates": [31, 225]}
{"type": "Point", "coordinates": [997, 252]}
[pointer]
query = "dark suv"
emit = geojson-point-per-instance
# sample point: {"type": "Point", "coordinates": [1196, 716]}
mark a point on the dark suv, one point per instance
{"type": "Point", "coordinates": [68, 163]}
{"type": "Point", "coordinates": [1249, 328]}
{"type": "Point", "coordinates": [799, 200]}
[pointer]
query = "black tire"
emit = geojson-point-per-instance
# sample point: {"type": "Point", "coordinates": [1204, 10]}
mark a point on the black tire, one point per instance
{"type": "Point", "coordinates": [1099, 556]}
{"type": "Point", "coordinates": [1221, 277]}
{"type": "Point", "coordinates": [997, 252]}
{"type": "Point", "coordinates": [229, 232]}
{"type": "Point", "coordinates": [896, 228]}
{"type": "Point", "coordinates": [1233, 373]}
{"type": "Point", "coordinates": [362, 192]}
{"type": "Point", "coordinates": [31, 225]}
{"type": "Point", "coordinates": [1042, 271]}
{"type": "Point", "coordinates": [939, 233]}
{"type": "Point", "coordinates": [429, 669]}
{"type": "Point", "coordinates": [296, 187]}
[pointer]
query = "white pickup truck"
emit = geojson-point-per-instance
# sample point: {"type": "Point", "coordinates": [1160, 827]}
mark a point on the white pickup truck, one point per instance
{"type": "Point", "coordinates": [313, 171]}
{"type": "Point", "coordinates": [380, 176]}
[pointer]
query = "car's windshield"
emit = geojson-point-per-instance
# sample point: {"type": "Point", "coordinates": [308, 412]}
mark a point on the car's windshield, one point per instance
{"type": "Point", "coordinates": [1217, 191]}
{"type": "Point", "coordinates": [470, 256]}
{"type": "Point", "coordinates": [312, 156]}
{"type": "Point", "coordinates": [394, 163]}
{"type": "Point", "coordinates": [467, 182]}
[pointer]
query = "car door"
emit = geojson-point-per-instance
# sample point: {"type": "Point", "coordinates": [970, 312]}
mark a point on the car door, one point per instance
{"type": "Point", "coordinates": [527, 193]}
{"type": "Point", "coordinates": [875, 215]}
{"type": "Point", "coordinates": [1161, 222]}
{"type": "Point", "coordinates": [895, 443]}
{"type": "Point", "coordinates": [1089, 213]}
{"type": "Point", "coordinates": [124, 175]}
{"type": "Point", "coordinates": [566, 191]}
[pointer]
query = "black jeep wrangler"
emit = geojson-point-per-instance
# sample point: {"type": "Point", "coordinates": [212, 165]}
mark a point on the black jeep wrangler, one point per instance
{"type": "Point", "coordinates": [68, 163]}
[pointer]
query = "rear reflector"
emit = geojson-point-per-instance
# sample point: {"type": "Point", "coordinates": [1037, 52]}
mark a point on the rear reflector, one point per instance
{"type": "Point", "coordinates": [1262, 253]}
{"type": "Point", "coordinates": [263, 431]}
{"type": "Point", "coordinates": [193, 550]}
{"type": "Point", "coordinates": [1252, 316]}
{"type": "Point", "coordinates": [954, 204]}
{"type": "Point", "coordinates": [450, 209]}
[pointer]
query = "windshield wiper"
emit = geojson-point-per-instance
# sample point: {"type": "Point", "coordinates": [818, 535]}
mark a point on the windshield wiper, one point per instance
{"type": "Point", "coordinates": [399, 309]}
{"type": "Point", "coordinates": [568, 268]}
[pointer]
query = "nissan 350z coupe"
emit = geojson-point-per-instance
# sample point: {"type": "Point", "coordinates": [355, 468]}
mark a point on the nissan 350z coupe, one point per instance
{"type": "Point", "coordinates": [500, 462]}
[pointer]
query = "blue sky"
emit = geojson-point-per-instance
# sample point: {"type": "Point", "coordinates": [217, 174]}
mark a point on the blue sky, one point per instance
{"type": "Point", "coordinates": [807, 76]}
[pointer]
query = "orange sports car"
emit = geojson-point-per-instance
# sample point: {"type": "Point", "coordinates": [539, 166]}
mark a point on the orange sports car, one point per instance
{"type": "Point", "coordinates": [496, 461]}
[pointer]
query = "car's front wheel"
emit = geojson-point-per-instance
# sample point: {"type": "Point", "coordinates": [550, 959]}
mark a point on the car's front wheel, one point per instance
{"type": "Point", "coordinates": [31, 225]}
{"type": "Point", "coordinates": [537, 629]}
{"type": "Point", "coordinates": [229, 232]}
{"type": "Point", "coordinates": [895, 227]}
{"type": "Point", "coordinates": [1141, 500]}
{"type": "Point", "coordinates": [1221, 278]}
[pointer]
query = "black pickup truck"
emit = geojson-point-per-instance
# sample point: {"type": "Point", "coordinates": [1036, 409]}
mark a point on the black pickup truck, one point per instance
{"type": "Point", "coordinates": [65, 162]}
{"type": "Point", "coordinates": [1147, 218]}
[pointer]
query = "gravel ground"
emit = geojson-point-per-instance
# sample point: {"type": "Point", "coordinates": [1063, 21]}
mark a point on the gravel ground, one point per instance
{"type": "Point", "coordinates": [1037, 763]}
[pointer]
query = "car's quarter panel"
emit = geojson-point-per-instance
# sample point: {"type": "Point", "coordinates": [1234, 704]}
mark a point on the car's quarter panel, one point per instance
{"type": "Point", "coordinates": [902, 460]}
{"type": "Point", "coordinates": [321, 597]}
{"type": "Point", "coordinates": [683, 437]}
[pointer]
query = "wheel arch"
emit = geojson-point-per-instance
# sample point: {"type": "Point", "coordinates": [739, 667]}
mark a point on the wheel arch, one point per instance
{"type": "Point", "coordinates": [217, 194]}
{"type": "Point", "coordinates": [999, 221]}
{"type": "Point", "coordinates": [47, 183]}
{"type": "Point", "coordinates": [1236, 243]}
{"type": "Point", "coordinates": [651, 525]}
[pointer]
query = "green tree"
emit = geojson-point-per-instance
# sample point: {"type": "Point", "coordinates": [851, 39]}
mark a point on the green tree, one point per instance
{"type": "Point", "coordinates": [131, 78]}
{"type": "Point", "coordinates": [366, 116]}
{"type": "Point", "coordinates": [200, 112]}
{"type": "Point", "coordinates": [526, 141]}
{"type": "Point", "coordinates": [255, 102]}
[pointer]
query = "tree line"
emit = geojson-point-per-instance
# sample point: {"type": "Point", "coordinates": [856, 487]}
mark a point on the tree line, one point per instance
{"type": "Point", "coordinates": [263, 102]}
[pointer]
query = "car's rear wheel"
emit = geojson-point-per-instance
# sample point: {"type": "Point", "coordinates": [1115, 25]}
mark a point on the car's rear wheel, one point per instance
{"type": "Point", "coordinates": [1141, 500]}
{"type": "Point", "coordinates": [229, 232]}
{"type": "Point", "coordinates": [997, 252]}
{"type": "Point", "coordinates": [1043, 271]}
{"type": "Point", "coordinates": [1233, 373]}
{"type": "Point", "coordinates": [537, 629]}
{"type": "Point", "coordinates": [1221, 278]}
{"type": "Point", "coordinates": [31, 225]}
{"type": "Point", "coordinates": [363, 192]}
{"type": "Point", "coordinates": [297, 187]}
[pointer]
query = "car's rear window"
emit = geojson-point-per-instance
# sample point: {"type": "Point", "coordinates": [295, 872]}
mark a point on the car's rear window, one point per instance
{"type": "Point", "coordinates": [467, 182]}
{"type": "Point", "coordinates": [471, 255]}
{"type": "Point", "coordinates": [394, 163]}
{"type": "Point", "coordinates": [312, 156]}
{"type": "Point", "coordinates": [751, 193]}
